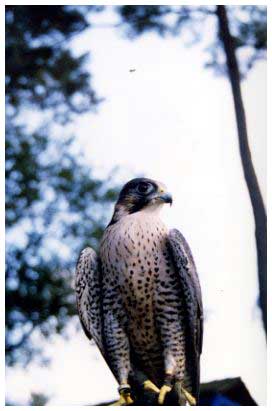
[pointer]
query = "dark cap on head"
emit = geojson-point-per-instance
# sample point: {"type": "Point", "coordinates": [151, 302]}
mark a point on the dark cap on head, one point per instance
{"type": "Point", "coordinates": [138, 194]}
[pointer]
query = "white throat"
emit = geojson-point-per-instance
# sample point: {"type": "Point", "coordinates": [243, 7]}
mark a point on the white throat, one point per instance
{"type": "Point", "coordinates": [153, 208]}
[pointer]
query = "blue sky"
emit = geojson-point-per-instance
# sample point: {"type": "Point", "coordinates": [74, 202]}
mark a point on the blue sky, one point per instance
{"type": "Point", "coordinates": [173, 120]}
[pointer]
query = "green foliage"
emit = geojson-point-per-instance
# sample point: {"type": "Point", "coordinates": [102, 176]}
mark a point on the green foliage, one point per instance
{"type": "Point", "coordinates": [140, 19]}
{"type": "Point", "coordinates": [40, 68]}
{"type": "Point", "coordinates": [54, 205]}
{"type": "Point", "coordinates": [250, 29]}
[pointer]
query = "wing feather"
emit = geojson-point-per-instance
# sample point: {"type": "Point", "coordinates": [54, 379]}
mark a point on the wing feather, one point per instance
{"type": "Point", "coordinates": [88, 295]}
{"type": "Point", "coordinates": [186, 269]}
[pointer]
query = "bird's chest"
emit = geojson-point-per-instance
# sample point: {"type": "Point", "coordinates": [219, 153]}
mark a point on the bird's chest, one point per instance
{"type": "Point", "coordinates": [136, 262]}
{"type": "Point", "coordinates": [133, 254]}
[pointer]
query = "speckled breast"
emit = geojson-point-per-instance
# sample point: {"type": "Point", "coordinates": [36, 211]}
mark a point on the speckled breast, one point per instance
{"type": "Point", "coordinates": [133, 253]}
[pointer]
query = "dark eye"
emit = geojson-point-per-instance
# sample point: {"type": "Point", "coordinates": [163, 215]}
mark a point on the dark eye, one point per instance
{"type": "Point", "coordinates": [144, 188]}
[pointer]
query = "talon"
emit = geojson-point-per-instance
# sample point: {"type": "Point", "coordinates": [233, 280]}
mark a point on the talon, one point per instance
{"type": "Point", "coordinates": [149, 386]}
{"type": "Point", "coordinates": [191, 400]}
{"type": "Point", "coordinates": [121, 401]}
{"type": "Point", "coordinates": [125, 397]}
{"type": "Point", "coordinates": [163, 391]}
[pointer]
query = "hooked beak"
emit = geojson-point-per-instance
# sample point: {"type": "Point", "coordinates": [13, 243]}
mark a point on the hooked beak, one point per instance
{"type": "Point", "coordinates": [166, 197]}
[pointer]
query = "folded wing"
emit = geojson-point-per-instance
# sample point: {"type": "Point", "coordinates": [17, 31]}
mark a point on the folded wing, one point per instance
{"type": "Point", "coordinates": [88, 295]}
{"type": "Point", "coordinates": [186, 270]}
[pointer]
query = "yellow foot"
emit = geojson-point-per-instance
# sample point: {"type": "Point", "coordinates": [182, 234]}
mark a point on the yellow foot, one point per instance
{"type": "Point", "coordinates": [125, 399]}
{"type": "Point", "coordinates": [191, 400]}
{"type": "Point", "coordinates": [149, 386]}
{"type": "Point", "coordinates": [163, 391]}
{"type": "Point", "coordinates": [121, 401]}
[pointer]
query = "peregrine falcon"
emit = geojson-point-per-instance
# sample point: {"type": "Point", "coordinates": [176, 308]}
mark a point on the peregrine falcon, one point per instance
{"type": "Point", "coordinates": [140, 299]}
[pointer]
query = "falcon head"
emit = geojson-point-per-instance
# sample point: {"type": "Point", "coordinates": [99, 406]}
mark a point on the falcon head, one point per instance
{"type": "Point", "coordinates": [139, 194]}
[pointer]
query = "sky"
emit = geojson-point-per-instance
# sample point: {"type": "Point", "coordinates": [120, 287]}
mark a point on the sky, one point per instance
{"type": "Point", "coordinates": [172, 120]}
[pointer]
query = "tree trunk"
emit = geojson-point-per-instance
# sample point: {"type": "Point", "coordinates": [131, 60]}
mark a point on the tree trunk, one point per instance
{"type": "Point", "coordinates": [249, 172]}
